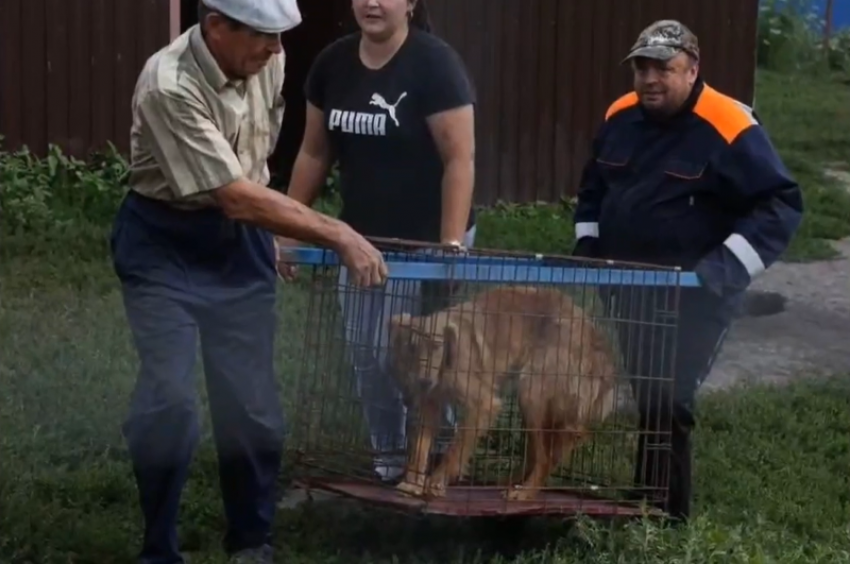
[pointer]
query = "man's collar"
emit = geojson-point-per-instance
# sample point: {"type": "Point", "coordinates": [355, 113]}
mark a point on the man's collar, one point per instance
{"type": "Point", "coordinates": [693, 98]}
{"type": "Point", "coordinates": [207, 63]}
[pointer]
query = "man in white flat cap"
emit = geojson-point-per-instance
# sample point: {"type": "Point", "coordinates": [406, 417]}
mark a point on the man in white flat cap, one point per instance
{"type": "Point", "coordinates": [193, 247]}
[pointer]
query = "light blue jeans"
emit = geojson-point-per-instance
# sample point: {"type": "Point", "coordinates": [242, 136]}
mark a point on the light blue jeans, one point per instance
{"type": "Point", "coordinates": [366, 313]}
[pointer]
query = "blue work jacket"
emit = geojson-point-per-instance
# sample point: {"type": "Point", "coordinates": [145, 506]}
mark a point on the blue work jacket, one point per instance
{"type": "Point", "coordinates": [704, 190]}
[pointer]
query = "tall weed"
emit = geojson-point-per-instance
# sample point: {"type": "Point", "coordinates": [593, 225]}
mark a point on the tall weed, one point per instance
{"type": "Point", "coordinates": [58, 191]}
{"type": "Point", "coordinates": [791, 38]}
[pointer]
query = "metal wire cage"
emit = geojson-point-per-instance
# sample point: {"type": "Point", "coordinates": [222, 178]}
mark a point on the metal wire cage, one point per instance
{"type": "Point", "coordinates": [487, 382]}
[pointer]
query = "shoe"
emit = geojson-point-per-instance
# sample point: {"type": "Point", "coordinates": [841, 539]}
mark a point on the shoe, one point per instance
{"type": "Point", "coordinates": [260, 555]}
{"type": "Point", "coordinates": [390, 468]}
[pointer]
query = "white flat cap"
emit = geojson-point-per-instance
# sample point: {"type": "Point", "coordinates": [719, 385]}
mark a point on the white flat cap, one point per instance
{"type": "Point", "coordinates": [266, 16]}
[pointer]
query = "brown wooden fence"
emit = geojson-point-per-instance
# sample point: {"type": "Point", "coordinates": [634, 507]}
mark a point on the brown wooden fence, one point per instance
{"type": "Point", "coordinates": [68, 67]}
{"type": "Point", "coordinates": [545, 71]}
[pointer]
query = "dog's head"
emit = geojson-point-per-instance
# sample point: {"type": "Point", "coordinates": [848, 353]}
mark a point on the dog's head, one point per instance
{"type": "Point", "coordinates": [422, 348]}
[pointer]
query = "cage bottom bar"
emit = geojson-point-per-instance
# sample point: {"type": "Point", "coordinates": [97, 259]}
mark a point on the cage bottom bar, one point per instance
{"type": "Point", "coordinates": [481, 501]}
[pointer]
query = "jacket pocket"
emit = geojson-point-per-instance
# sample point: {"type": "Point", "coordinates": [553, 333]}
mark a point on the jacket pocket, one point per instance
{"type": "Point", "coordinates": [613, 161]}
{"type": "Point", "coordinates": [683, 210]}
{"type": "Point", "coordinates": [613, 165]}
{"type": "Point", "coordinates": [680, 191]}
{"type": "Point", "coordinates": [686, 171]}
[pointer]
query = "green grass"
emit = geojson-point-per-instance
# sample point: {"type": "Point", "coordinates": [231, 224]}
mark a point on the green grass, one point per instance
{"type": "Point", "coordinates": [771, 463]}
{"type": "Point", "coordinates": [771, 466]}
{"type": "Point", "coordinates": [809, 122]}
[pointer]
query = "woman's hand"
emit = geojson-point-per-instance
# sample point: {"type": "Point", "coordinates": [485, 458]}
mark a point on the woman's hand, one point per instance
{"type": "Point", "coordinates": [454, 245]}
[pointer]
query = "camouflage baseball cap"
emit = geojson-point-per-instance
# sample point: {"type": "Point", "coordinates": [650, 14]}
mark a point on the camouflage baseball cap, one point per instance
{"type": "Point", "coordinates": [664, 40]}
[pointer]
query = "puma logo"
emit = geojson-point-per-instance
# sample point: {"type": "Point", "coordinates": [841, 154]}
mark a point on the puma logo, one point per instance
{"type": "Point", "coordinates": [380, 101]}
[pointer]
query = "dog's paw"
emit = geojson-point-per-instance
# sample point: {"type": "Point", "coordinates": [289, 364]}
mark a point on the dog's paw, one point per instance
{"type": "Point", "coordinates": [519, 493]}
{"type": "Point", "coordinates": [411, 489]}
{"type": "Point", "coordinates": [436, 488]}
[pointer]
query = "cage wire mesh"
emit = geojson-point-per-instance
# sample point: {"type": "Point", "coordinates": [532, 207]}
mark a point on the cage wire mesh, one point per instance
{"type": "Point", "coordinates": [487, 383]}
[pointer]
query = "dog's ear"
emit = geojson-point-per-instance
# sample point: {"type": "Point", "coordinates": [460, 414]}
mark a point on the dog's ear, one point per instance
{"type": "Point", "coordinates": [450, 345]}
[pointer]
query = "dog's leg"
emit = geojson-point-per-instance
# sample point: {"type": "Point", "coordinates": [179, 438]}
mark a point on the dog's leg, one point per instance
{"type": "Point", "coordinates": [554, 444]}
{"type": "Point", "coordinates": [519, 474]}
{"type": "Point", "coordinates": [536, 411]}
{"type": "Point", "coordinates": [528, 421]}
{"type": "Point", "coordinates": [543, 444]}
{"type": "Point", "coordinates": [569, 439]}
{"type": "Point", "coordinates": [481, 413]}
{"type": "Point", "coordinates": [415, 477]}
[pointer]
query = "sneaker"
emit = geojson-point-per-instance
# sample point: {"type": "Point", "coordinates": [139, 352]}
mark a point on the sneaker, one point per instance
{"type": "Point", "coordinates": [261, 555]}
{"type": "Point", "coordinates": [390, 468]}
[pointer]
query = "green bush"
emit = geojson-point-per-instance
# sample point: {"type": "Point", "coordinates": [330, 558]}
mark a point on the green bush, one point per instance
{"type": "Point", "coordinates": [58, 206]}
{"type": "Point", "coordinates": [535, 228]}
{"type": "Point", "coordinates": [65, 204]}
{"type": "Point", "coordinates": [58, 191]}
{"type": "Point", "coordinates": [791, 38]}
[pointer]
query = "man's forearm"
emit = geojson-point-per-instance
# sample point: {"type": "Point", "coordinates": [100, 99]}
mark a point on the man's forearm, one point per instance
{"type": "Point", "coordinates": [458, 183]}
{"type": "Point", "coordinates": [282, 215]}
{"type": "Point", "coordinates": [308, 175]}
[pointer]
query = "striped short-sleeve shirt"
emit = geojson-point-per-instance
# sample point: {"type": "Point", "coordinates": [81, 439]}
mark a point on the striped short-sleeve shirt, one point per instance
{"type": "Point", "coordinates": [194, 130]}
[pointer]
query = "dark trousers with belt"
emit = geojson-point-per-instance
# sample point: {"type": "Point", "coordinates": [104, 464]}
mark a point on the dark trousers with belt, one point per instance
{"type": "Point", "coordinates": [184, 275]}
{"type": "Point", "coordinates": [668, 351]}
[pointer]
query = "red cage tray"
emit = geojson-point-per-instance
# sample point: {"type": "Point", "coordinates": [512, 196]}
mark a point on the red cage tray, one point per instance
{"type": "Point", "coordinates": [481, 501]}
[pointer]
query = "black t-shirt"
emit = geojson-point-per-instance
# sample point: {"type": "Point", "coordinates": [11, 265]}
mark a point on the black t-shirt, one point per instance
{"type": "Point", "coordinates": [390, 169]}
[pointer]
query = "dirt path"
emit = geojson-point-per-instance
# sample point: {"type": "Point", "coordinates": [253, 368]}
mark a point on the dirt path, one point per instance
{"type": "Point", "coordinates": [810, 336]}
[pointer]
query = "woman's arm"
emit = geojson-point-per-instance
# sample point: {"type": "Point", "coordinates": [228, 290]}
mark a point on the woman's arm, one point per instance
{"type": "Point", "coordinates": [313, 161]}
{"type": "Point", "coordinates": [448, 102]}
{"type": "Point", "coordinates": [454, 134]}
{"type": "Point", "coordinates": [314, 157]}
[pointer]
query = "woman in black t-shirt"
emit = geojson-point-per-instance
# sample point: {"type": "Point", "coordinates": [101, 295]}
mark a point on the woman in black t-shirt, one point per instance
{"type": "Point", "coordinates": [393, 104]}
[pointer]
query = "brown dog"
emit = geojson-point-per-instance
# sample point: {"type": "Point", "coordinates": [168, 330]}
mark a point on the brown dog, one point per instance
{"type": "Point", "coordinates": [465, 353]}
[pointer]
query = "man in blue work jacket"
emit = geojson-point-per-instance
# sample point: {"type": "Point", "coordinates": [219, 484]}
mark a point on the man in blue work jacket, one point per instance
{"type": "Point", "coordinates": [193, 248]}
{"type": "Point", "coordinates": [680, 175]}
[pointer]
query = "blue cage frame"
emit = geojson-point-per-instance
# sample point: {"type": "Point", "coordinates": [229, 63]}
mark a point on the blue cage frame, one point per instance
{"type": "Point", "coordinates": [443, 265]}
{"type": "Point", "coordinates": [538, 270]}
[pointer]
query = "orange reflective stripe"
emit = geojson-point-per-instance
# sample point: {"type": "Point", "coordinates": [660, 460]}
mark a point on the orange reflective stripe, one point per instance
{"type": "Point", "coordinates": [624, 102]}
{"type": "Point", "coordinates": [726, 115]}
